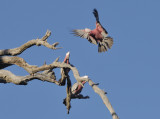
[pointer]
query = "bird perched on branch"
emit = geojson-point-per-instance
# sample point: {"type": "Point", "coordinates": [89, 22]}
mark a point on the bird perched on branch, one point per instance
{"type": "Point", "coordinates": [64, 71]}
{"type": "Point", "coordinates": [76, 90]}
{"type": "Point", "coordinates": [66, 60]}
{"type": "Point", "coordinates": [77, 87]}
{"type": "Point", "coordinates": [96, 36]}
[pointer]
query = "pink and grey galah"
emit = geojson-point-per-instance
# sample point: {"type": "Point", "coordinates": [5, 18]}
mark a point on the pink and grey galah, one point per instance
{"type": "Point", "coordinates": [64, 71]}
{"type": "Point", "coordinates": [66, 60]}
{"type": "Point", "coordinates": [77, 87]}
{"type": "Point", "coordinates": [96, 36]}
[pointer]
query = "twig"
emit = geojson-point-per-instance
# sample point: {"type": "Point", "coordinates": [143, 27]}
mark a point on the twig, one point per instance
{"type": "Point", "coordinates": [8, 77]}
{"type": "Point", "coordinates": [38, 42]}
{"type": "Point", "coordinates": [105, 99]}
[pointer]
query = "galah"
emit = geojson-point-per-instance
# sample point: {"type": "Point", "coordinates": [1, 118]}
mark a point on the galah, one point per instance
{"type": "Point", "coordinates": [66, 60]}
{"type": "Point", "coordinates": [65, 71]}
{"type": "Point", "coordinates": [96, 36]}
{"type": "Point", "coordinates": [77, 87]}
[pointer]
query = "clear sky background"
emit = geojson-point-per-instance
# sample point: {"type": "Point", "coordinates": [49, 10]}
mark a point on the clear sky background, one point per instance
{"type": "Point", "coordinates": [129, 72]}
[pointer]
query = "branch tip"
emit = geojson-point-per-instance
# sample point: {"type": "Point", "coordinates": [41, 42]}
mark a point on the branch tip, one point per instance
{"type": "Point", "coordinates": [57, 59]}
{"type": "Point", "coordinates": [48, 33]}
{"type": "Point", "coordinates": [44, 38]}
{"type": "Point", "coordinates": [55, 44]}
{"type": "Point", "coordinates": [44, 63]}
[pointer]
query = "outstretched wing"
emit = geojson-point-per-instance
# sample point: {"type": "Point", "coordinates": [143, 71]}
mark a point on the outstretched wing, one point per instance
{"type": "Point", "coordinates": [106, 43]}
{"type": "Point", "coordinates": [81, 33]}
{"type": "Point", "coordinates": [84, 34]}
{"type": "Point", "coordinates": [98, 24]}
{"type": "Point", "coordinates": [109, 41]}
{"type": "Point", "coordinates": [95, 12]}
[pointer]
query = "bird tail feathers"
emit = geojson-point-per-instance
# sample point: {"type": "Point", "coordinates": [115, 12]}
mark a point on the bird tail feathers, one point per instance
{"type": "Point", "coordinates": [108, 41]}
{"type": "Point", "coordinates": [102, 47]}
{"type": "Point", "coordinates": [105, 44]}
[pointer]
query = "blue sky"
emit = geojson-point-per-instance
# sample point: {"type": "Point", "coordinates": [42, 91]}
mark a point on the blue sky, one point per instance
{"type": "Point", "coordinates": [129, 72]}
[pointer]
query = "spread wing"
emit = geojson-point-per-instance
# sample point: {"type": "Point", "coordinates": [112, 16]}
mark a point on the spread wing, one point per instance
{"type": "Point", "coordinates": [106, 43]}
{"type": "Point", "coordinates": [98, 24]}
{"type": "Point", "coordinates": [109, 41]}
{"type": "Point", "coordinates": [84, 34]}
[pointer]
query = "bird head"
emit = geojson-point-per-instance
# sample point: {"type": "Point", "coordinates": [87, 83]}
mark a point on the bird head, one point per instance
{"type": "Point", "coordinates": [67, 55]}
{"type": "Point", "coordinates": [66, 59]}
{"type": "Point", "coordinates": [86, 77]}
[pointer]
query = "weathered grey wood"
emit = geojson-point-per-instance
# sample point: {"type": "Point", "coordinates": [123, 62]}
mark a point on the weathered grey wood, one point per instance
{"type": "Point", "coordinates": [47, 74]}
{"type": "Point", "coordinates": [8, 77]}
{"type": "Point", "coordinates": [104, 98]}
{"type": "Point", "coordinates": [38, 42]}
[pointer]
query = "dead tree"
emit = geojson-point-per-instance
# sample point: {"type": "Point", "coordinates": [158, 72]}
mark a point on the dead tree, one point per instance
{"type": "Point", "coordinates": [8, 57]}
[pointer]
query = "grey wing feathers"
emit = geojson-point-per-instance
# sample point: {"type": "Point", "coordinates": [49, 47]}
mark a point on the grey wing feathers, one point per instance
{"type": "Point", "coordinates": [74, 87]}
{"type": "Point", "coordinates": [95, 12]}
{"type": "Point", "coordinates": [92, 40]}
{"type": "Point", "coordinates": [105, 44]}
{"type": "Point", "coordinates": [102, 47]}
{"type": "Point", "coordinates": [108, 41]}
{"type": "Point", "coordinates": [104, 33]}
{"type": "Point", "coordinates": [81, 33]}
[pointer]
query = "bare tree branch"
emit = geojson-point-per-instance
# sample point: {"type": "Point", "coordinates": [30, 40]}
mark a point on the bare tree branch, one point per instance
{"type": "Point", "coordinates": [47, 74]}
{"type": "Point", "coordinates": [105, 99]}
{"type": "Point", "coordinates": [63, 78]}
{"type": "Point", "coordinates": [7, 61]}
{"type": "Point", "coordinates": [8, 77]}
{"type": "Point", "coordinates": [68, 98]}
{"type": "Point", "coordinates": [38, 42]}
{"type": "Point", "coordinates": [34, 69]}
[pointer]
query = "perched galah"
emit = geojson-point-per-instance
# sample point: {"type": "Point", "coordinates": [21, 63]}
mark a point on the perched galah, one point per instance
{"type": "Point", "coordinates": [77, 87]}
{"type": "Point", "coordinates": [96, 36]}
{"type": "Point", "coordinates": [65, 71]}
{"type": "Point", "coordinates": [66, 60]}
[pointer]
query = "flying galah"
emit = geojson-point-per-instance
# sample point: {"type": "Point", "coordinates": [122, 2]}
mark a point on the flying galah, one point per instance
{"type": "Point", "coordinates": [96, 36]}
{"type": "Point", "coordinates": [77, 87]}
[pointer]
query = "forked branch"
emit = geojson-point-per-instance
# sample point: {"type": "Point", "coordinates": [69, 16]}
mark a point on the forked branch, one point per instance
{"type": "Point", "coordinates": [8, 77]}
{"type": "Point", "coordinates": [47, 74]}
{"type": "Point", "coordinates": [38, 42]}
